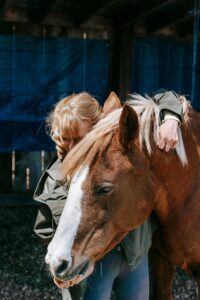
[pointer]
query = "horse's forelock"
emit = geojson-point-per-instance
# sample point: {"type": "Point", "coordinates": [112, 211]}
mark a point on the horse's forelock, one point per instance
{"type": "Point", "coordinates": [84, 154]}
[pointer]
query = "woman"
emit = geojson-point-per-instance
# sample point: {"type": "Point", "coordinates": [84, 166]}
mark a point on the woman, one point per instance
{"type": "Point", "coordinates": [125, 268]}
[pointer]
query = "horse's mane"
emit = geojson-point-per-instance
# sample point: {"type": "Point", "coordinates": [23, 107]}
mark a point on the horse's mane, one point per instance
{"type": "Point", "coordinates": [101, 134]}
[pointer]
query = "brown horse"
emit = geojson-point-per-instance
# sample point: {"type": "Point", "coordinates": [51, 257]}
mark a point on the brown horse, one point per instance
{"type": "Point", "coordinates": [119, 177]}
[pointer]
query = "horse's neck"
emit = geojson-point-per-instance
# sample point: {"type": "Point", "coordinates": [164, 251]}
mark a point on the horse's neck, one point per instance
{"type": "Point", "coordinates": [175, 183]}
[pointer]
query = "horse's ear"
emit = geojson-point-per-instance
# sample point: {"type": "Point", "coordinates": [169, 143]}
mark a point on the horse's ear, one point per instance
{"type": "Point", "coordinates": [112, 102]}
{"type": "Point", "coordinates": [128, 126]}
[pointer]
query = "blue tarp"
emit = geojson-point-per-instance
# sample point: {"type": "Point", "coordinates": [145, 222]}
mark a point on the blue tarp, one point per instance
{"type": "Point", "coordinates": [160, 63]}
{"type": "Point", "coordinates": [35, 73]}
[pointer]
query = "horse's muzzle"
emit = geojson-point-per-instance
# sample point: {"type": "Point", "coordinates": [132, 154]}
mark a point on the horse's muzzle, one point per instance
{"type": "Point", "coordinates": [65, 272]}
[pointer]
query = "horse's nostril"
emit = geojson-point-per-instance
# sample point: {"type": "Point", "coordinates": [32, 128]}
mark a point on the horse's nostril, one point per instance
{"type": "Point", "coordinates": [61, 268]}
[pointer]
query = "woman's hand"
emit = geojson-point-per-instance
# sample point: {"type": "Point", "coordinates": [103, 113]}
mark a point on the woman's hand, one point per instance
{"type": "Point", "coordinates": [168, 135]}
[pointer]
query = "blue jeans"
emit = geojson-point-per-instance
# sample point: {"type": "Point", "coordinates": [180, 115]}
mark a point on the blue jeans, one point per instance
{"type": "Point", "coordinates": [113, 272]}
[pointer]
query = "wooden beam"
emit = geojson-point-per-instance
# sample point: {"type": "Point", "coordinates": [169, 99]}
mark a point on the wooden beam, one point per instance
{"type": "Point", "coordinates": [6, 172]}
{"type": "Point", "coordinates": [2, 6]}
{"type": "Point", "coordinates": [172, 17]}
{"type": "Point", "coordinates": [114, 67]}
{"type": "Point", "coordinates": [186, 28]}
{"type": "Point", "coordinates": [141, 10]}
{"type": "Point", "coordinates": [121, 61]}
{"type": "Point", "coordinates": [38, 14]}
{"type": "Point", "coordinates": [36, 30]}
{"type": "Point", "coordinates": [89, 9]}
{"type": "Point", "coordinates": [126, 62]}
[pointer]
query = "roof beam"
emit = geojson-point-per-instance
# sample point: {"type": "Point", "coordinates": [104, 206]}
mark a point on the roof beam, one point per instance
{"type": "Point", "coordinates": [169, 18]}
{"type": "Point", "coordinates": [142, 10]}
{"type": "Point", "coordinates": [89, 9]}
{"type": "Point", "coordinates": [187, 28]}
{"type": "Point", "coordinates": [2, 6]}
{"type": "Point", "coordinates": [37, 15]}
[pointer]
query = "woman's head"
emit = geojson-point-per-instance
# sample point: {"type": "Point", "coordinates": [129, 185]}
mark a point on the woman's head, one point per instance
{"type": "Point", "coordinates": [71, 119]}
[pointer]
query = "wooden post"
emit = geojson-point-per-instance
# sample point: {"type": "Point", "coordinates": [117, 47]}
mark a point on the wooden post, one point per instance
{"type": "Point", "coordinates": [28, 171]}
{"type": "Point", "coordinates": [19, 175]}
{"type": "Point", "coordinates": [126, 62]}
{"type": "Point", "coordinates": [121, 61]}
{"type": "Point", "coordinates": [6, 172]}
{"type": "Point", "coordinates": [114, 61]}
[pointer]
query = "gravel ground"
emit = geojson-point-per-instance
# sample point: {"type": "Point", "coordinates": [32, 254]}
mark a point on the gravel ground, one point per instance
{"type": "Point", "coordinates": [23, 274]}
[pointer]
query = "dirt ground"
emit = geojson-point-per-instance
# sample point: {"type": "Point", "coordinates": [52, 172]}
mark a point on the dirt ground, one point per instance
{"type": "Point", "coordinates": [23, 274]}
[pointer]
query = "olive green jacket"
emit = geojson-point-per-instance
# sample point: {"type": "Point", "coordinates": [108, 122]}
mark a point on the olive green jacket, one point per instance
{"type": "Point", "coordinates": [168, 100]}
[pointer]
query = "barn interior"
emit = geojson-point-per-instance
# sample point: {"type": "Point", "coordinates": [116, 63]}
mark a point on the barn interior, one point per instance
{"type": "Point", "coordinates": [53, 48]}
{"type": "Point", "coordinates": [50, 49]}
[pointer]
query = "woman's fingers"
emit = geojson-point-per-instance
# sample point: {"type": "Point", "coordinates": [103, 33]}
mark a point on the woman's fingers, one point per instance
{"type": "Point", "coordinates": [168, 135]}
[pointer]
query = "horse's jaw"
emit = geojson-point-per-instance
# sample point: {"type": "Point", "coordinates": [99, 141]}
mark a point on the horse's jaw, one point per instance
{"type": "Point", "coordinates": [70, 268]}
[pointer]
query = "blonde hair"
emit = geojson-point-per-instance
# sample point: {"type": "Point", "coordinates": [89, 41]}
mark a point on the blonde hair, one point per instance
{"type": "Point", "coordinates": [65, 120]}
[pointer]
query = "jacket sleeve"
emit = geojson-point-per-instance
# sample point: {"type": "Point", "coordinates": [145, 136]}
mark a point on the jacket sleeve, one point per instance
{"type": "Point", "coordinates": [51, 195]}
{"type": "Point", "coordinates": [168, 101]}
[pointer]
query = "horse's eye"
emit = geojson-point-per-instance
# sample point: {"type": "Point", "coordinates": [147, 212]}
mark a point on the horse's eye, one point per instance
{"type": "Point", "coordinates": [103, 189]}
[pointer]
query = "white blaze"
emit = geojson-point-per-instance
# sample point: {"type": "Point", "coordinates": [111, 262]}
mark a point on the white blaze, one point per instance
{"type": "Point", "coordinates": [61, 245]}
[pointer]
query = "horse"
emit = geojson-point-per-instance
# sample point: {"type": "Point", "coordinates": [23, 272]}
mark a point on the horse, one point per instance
{"type": "Point", "coordinates": [118, 177]}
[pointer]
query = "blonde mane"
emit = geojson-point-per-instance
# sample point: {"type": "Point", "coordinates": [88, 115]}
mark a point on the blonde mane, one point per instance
{"type": "Point", "coordinates": [101, 134]}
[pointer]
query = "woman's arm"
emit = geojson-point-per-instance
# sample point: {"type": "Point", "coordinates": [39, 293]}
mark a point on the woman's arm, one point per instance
{"type": "Point", "coordinates": [168, 101]}
{"type": "Point", "coordinates": [170, 115]}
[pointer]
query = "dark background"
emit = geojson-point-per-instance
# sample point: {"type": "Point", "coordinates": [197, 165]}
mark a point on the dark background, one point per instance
{"type": "Point", "coordinates": [50, 49]}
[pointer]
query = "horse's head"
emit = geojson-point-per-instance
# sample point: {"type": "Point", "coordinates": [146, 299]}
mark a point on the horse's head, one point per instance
{"type": "Point", "coordinates": [106, 200]}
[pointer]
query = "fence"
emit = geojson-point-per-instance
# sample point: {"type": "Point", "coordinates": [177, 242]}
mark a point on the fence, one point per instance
{"type": "Point", "coordinates": [19, 174]}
